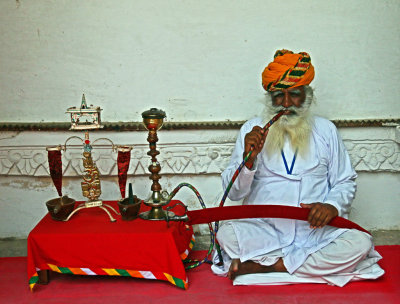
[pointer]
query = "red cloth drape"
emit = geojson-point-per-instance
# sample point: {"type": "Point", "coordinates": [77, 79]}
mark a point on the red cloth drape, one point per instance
{"type": "Point", "coordinates": [123, 160]}
{"type": "Point", "coordinates": [259, 211]}
{"type": "Point", "coordinates": [55, 165]}
{"type": "Point", "coordinates": [89, 241]}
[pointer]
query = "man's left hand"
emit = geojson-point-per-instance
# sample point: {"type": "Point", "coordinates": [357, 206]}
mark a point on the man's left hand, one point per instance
{"type": "Point", "coordinates": [320, 214]}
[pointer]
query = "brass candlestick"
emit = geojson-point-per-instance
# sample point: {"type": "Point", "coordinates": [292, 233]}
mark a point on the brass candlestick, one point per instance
{"type": "Point", "coordinates": [153, 120]}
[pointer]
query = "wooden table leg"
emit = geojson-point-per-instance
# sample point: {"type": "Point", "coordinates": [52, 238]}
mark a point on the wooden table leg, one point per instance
{"type": "Point", "coordinates": [43, 277]}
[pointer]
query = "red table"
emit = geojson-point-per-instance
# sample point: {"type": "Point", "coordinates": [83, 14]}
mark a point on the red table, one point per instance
{"type": "Point", "coordinates": [90, 244]}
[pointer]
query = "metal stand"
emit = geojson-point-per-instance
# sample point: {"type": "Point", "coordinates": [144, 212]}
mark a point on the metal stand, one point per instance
{"type": "Point", "coordinates": [92, 204]}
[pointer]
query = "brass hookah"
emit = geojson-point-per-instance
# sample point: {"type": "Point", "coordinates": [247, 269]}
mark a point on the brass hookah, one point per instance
{"type": "Point", "coordinates": [153, 120]}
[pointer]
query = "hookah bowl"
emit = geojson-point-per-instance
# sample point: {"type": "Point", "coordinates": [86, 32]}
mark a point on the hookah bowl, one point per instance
{"type": "Point", "coordinates": [60, 208]}
{"type": "Point", "coordinates": [153, 120]}
{"type": "Point", "coordinates": [129, 211]}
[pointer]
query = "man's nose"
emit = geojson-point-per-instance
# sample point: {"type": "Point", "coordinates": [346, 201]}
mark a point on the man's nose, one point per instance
{"type": "Point", "coordinates": [287, 101]}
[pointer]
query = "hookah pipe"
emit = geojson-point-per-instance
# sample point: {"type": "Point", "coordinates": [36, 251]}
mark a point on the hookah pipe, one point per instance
{"type": "Point", "coordinates": [213, 232]}
{"type": "Point", "coordinates": [236, 174]}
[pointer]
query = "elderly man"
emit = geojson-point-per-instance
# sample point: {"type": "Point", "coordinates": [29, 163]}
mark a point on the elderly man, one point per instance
{"type": "Point", "coordinates": [303, 163]}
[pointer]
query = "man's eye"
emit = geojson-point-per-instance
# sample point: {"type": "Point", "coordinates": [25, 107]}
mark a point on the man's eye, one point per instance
{"type": "Point", "coordinates": [278, 95]}
{"type": "Point", "coordinates": [294, 94]}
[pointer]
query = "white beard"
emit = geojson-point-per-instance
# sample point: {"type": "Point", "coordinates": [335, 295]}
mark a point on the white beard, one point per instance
{"type": "Point", "coordinates": [295, 127]}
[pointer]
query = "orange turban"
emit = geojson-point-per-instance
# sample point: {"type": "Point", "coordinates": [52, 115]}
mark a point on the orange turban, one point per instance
{"type": "Point", "coordinates": [288, 70]}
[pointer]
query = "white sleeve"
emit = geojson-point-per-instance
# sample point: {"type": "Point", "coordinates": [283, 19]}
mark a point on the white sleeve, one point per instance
{"type": "Point", "coordinates": [341, 176]}
{"type": "Point", "coordinates": [242, 185]}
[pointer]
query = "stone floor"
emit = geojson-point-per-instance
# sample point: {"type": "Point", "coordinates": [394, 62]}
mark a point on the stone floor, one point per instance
{"type": "Point", "coordinates": [11, 247]}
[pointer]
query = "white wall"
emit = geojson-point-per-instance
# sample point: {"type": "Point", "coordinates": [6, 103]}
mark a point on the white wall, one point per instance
{"type": "Point", "coordinates": [199, 60]}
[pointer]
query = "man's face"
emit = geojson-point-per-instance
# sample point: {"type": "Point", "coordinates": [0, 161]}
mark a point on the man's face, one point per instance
{"type": "Point", "coordinates": [291, 97]}
{"type": "Point", "coordinates": [296, 123]}
{"type": "Point", "coordinates": [295, 102]}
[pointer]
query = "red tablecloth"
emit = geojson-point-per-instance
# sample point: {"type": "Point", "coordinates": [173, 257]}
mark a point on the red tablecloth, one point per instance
{"type": "Point", "coordinates": [90, 244]}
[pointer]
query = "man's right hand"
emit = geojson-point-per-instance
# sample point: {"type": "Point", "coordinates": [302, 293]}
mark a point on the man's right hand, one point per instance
{"type": "Point", "coordinates": [255, 138]}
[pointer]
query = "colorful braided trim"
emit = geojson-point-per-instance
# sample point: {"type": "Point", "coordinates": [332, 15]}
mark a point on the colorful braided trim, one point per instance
{"type": "Point", "coordinates": [33, 280]}
{"type": "Point", "coordinates": [185, 254]}
{"type": "Point", "coordinates": [114, 272]}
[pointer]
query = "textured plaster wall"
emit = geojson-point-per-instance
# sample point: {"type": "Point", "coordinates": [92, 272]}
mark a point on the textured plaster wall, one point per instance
{"type": "Point", "coordinates": [199, 60]}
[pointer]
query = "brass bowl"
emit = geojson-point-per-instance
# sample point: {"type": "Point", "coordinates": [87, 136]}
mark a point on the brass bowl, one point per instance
{"type": "Point", "coordinates": [129, 211]}
{"type": "Point", "coordinates": [153, 119]}
{"type": "Point", "coordinates": [60, 208]}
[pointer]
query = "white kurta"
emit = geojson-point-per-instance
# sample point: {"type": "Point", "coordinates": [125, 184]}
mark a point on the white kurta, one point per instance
{"type": "Point", "coordinates": [324, 175]}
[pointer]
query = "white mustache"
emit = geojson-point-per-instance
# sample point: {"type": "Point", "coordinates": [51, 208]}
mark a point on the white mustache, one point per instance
{"type": "Point", "coordinates": [292, 109]}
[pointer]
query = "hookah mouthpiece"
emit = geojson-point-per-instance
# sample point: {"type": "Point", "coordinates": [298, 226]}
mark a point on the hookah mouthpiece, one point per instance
{"type": "Point", "coordinates": [274, 119]}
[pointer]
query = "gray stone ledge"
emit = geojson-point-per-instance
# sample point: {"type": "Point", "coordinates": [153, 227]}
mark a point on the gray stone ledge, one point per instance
{"type": "Point", "coordinates": [189, 125]}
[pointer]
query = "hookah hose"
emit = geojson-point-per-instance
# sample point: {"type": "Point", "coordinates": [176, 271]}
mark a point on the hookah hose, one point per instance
{"type": "Point", "coordinates": [213, 232]}
{"type": "Point", "coordinates": [236, 174]}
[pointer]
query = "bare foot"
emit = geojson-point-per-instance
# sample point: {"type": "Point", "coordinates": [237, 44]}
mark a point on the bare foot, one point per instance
{"type": "Point", "coordinates": [239, 268]}
{"type": "Point", "coordinates": [233, 269]}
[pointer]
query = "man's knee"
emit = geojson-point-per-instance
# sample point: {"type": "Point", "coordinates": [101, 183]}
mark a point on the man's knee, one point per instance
{"type": "Point", "coordinates": [225, 233]}
{"type": "Point", "coordinates": [360, 243]}
{"type": "Point", "coordinates": [227, 239]}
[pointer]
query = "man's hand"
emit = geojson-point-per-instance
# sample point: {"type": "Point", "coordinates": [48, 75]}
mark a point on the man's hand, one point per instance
{"type": "Point", "coordinates": [255, 138]}
{"type": "Point", "coordinates": [320, 214]}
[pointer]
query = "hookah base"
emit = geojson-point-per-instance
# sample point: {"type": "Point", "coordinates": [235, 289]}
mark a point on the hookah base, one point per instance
{"type": "Point", "coordinates": [156, 215]}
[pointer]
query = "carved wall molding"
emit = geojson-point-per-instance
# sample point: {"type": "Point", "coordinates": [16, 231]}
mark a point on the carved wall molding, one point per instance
{"type": "Point", "coordinates": [374, 155]}
{"type": "Point", "coordinates": [180, 159]}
